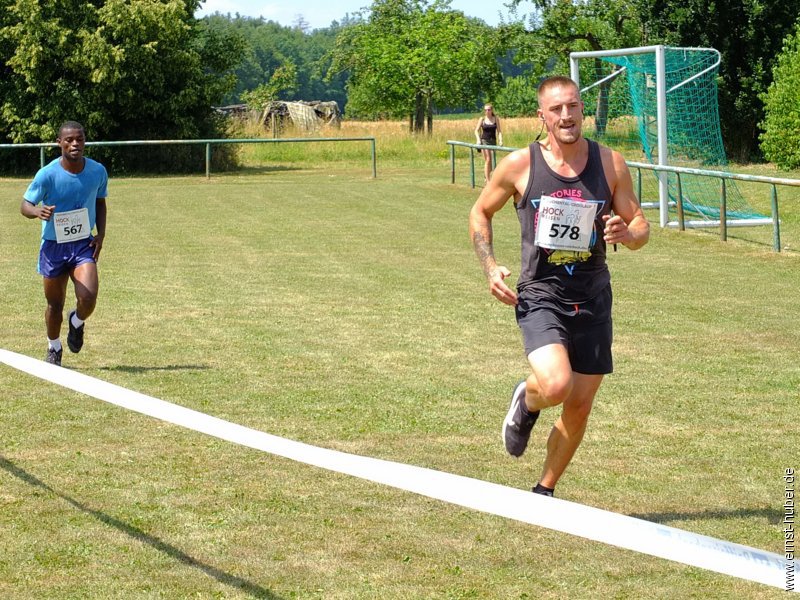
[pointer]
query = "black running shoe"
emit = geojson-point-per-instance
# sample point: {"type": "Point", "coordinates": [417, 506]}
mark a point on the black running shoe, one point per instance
{"type": "Point", "coordinates": [75, 335]}
{"type": "Point", "coordinates": [518, 424]}
{"type": "Point", "coordinates": [53, 357]}
{"type": "Point", "coordinates": [542, 491]}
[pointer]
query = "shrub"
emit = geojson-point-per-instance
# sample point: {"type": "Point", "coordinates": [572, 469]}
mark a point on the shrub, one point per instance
{"type": "Point", "coordinates": [780, 141]}
{"type": "Point", "coordinates": [518, 98]}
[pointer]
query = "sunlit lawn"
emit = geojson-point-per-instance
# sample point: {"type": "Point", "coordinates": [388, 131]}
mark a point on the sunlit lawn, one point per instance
{"type": "Point", "coordinates": [316, 303]}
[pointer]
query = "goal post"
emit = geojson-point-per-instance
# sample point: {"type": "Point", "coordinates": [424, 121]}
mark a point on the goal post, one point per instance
{"type": "Point", "coordinates": [659, 104]}
{"type": "Point", "coordinates": [661, 108]}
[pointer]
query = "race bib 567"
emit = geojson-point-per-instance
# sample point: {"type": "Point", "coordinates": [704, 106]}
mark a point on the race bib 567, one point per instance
{"type": "Point", "coordinates": [72, 225]}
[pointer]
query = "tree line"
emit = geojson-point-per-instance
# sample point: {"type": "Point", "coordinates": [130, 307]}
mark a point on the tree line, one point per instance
{"type": "Point", "coordinates": [148, 69]}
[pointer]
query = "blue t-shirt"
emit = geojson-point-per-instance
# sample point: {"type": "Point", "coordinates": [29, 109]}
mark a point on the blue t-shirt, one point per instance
{"type": "Point", "coordinates": [53, 185]}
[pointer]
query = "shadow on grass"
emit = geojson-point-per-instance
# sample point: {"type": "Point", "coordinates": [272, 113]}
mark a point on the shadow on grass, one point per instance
{"type": "Point", "coordinates": [260, 169]}
{"type": "Point", "coordinates": [784, 247]}
{"type": "Point", "coordinates": [773, 515]}
{"type": "Point", "coordinates": [139, 369]}
{"type": "Point", "coordinates": [749, 240]}
{"type": "Point", "coordinates": [143, 537]}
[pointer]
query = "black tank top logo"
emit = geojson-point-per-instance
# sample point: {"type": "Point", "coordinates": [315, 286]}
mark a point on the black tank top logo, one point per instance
{"type": "Point", "coordinates": [568, 258]}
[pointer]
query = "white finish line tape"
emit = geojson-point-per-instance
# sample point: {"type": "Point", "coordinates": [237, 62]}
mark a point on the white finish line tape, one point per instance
{"type": "Point", "coordinates": [521, 505]}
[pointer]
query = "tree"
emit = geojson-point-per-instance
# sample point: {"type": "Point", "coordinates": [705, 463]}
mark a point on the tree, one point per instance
{"type": "Point", "coordinates": [559, 27]}
{"type": "Point", "coordinates": [283, 79]}
{"type": "Point", "coordinates": [268, 45]}
{"type": "Point", "coordinates": [143, 68]}
{"type": "Point", "coordinates": [410, 58]}
{"type": "Point", "coordinates": [518, 97]}
{"type": "Point", "coordinates": [749, 35]}
{"type": "Point", "coordinates": [780, 140]}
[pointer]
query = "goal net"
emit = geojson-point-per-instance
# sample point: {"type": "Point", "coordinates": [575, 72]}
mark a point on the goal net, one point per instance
{"type": "Point", "coordinates": [659, 105]}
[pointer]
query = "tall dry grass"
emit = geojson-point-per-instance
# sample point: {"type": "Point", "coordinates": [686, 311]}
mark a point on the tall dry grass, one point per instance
{"type": "Point", "coordinates": [393, 139]}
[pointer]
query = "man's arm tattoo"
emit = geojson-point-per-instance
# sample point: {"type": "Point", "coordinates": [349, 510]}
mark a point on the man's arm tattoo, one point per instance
{"type": "Point", "coordinates": [483, 248]}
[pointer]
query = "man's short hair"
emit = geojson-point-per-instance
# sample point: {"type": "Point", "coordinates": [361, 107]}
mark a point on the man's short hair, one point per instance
{"type": "Point", "coordinates": [555, 81]}
{"type": "Point", "coordinates": [70, 125]}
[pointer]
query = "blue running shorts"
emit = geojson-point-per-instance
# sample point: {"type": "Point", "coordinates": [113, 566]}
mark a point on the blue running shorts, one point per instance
{"type": "Point", "coordinates": [56, 259]}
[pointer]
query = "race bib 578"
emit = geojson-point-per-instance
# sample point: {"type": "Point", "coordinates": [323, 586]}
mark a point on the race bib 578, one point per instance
{"type": "Point", "coordinates": [565, 224]}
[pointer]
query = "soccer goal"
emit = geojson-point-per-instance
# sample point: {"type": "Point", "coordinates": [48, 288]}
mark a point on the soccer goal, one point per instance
{"type": "Point", "coordinates": [658, 105]}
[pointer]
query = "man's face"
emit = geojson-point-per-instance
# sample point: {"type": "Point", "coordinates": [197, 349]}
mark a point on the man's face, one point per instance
{"type": "Point", "coordinates": [562, 110]}
{"type": "Point", "coordinates": [72, 142]}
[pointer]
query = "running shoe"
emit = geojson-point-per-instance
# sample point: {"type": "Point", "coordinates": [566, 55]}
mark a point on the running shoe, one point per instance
{"type": "Point", "coordinates": [53, 357]}
{"type": "Point", "coordinates": [75, 335]}
{"type": "Point", "coordinates": [519, 423]}
{"type": "Point", "coordinates": [542, 491]}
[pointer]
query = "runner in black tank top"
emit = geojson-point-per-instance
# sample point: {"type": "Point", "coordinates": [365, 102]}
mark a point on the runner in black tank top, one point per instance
{"type": "Point", "coordinates": [568, 276]}
{"type": "Point", "coordinates": [563, 297]}
{"type": "Point", "coordinates": [488, 133]}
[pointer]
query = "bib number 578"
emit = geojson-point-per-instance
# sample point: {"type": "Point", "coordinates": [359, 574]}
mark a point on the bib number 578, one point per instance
{"type": "Point", "coordinates": [560, 231]}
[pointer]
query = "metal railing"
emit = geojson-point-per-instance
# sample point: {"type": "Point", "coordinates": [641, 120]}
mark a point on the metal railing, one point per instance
{"type": "Point", "coordinates": [453, 145]}
{"type": "Point", "coordinates": [724, 221]}
{"type": "Point", "coordinates": [208, 144]}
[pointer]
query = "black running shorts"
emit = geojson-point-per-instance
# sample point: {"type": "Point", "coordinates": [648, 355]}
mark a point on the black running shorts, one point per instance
{"type": "Point", "coordinates": [584, 329]}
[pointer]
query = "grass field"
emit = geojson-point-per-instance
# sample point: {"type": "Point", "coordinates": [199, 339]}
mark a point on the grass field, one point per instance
{"type": "Point", "coordinates": [397, 149]}
{"type": "Point", "coordinates": [324, 306]}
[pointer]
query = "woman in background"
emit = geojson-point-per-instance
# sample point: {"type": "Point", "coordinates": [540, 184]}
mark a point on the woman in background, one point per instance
{"type": "Point", "coordinates": [488, 133]}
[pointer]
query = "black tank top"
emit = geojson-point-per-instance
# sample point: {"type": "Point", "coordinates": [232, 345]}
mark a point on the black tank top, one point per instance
{"type": "Point", "coordinates": [568, 276]}
{"type": "Point", "coordinates": [489, 133]}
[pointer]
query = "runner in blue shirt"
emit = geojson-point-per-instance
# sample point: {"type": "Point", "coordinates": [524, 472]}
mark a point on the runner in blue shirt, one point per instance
{"type": "Point", "coordinates": [69, 197]}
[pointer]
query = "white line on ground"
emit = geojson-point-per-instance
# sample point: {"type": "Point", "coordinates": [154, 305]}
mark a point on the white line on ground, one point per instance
{"type": "Point", "coordinates": [561, 515]}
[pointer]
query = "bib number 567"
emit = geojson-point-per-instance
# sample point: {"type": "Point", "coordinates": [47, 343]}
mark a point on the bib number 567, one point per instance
{"type": "Point", "coordinates": [73, 230]}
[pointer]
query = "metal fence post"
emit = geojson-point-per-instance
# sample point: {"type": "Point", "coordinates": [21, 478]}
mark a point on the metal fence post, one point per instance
{"type": "Point", "coordinates": [723, 213]}
{"type": "Point", "coordinates": [776, 223]}
{"type": "Point", "coordinates": [639, 184]}
{"type": "Point", "coordinates": [452, 163]}
{"type": "Point", "coordinates": [679, 206]}
{"type": "Point", "coordinates": [374, 160]}
{"type": "Point", "coordinates": [472, 166]}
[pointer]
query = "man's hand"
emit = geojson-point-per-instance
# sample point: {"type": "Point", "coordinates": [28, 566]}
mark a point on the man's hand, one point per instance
{"type": "Point", "coordinates": [45, 213]}
{"type": "Point", "coordinates": [498, 286]}
{"type": "Point", "coordinates": [616, 230]}
{"type": "Point", "coordinates": [97, 244]}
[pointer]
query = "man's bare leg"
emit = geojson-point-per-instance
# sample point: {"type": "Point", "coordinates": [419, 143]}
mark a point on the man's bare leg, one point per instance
{"type": "Point", "coordinates": [568, 430]}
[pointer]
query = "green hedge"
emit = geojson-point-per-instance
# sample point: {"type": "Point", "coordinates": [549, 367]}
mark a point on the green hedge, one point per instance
{"type": "Point", "coordinates": [780, 141]}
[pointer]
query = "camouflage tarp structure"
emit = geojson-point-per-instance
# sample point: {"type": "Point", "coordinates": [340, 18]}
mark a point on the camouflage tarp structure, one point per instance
{"type": "Point", "coordinates": [306, 116]}
{"type": "Point", "coordinates": [303, 116]}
